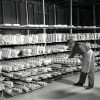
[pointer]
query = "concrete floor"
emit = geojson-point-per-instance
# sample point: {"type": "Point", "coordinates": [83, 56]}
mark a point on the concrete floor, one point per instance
{"type": "Point", "coordinates": [63, 90]}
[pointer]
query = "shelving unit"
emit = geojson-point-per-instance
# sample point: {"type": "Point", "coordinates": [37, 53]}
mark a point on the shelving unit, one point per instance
{"type": "Point", "coordinates": [33, 17]}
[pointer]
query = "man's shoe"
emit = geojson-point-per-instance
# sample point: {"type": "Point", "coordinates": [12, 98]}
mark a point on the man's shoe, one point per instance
{"type": "Point", "coordinates": [78, 84]}
{"type": "Point", "coordinates": [89, 87]}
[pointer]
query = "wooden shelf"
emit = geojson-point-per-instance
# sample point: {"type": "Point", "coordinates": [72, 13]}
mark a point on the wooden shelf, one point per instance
{"type": "Point", "coordinates": [31, 27]}
{"type": "Point", "coordinates": [52, 53]}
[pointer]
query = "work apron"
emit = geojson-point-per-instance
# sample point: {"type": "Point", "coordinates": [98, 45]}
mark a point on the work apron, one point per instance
{"type": "Point", "coordinates": [88, 62]}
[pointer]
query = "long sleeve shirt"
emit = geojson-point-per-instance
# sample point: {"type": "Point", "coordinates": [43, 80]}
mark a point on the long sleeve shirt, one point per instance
{"type": "Point", "coordinates": [79, 48]}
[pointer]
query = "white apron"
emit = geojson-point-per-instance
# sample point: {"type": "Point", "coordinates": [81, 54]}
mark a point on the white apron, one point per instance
{"type": "Point", "coordinates": [88, 62]}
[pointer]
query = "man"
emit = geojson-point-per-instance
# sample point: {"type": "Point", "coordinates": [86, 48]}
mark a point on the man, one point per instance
{"type": "Point", "coordinates": [85, 51]}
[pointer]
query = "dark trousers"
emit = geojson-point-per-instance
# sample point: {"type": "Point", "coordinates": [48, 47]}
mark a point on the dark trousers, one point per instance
{"type": "Point", "coordinates": [83, 76]}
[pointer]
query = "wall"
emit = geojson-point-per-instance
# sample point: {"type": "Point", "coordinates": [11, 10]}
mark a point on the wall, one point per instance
{"type": "Point", "coordinates": [14, 11]}
{"type": "Point", "coordinates": [86, 16]}
{"type": "Point", "coordinates": [98, 15]}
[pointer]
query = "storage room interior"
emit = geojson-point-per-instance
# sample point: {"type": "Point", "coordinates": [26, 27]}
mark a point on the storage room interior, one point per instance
{"type": "Point", "coordinates": [34, 54]}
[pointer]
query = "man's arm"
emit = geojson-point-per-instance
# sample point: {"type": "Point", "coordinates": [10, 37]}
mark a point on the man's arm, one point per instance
{"type": "Point", "coordinates": [74, 50]}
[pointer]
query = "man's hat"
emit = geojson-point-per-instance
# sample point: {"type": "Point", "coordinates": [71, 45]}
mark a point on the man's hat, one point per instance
{"type": "Point", "coordinates": [70, 41]}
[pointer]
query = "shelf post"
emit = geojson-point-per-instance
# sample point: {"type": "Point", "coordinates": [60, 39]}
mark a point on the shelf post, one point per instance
{"type": "Point", "coordinates": [94, 23]}
{"type": "Point", "coordinates": [43, 12]}
{"type": "Point", "coordinates": [27, 16]}
{"type": "Point", "coordinates": [71, 16]}
{"type": "Point", "coordinates": [54, 14]}
{"type": "Point", "coordinates": [26, 12]}
{"type": "Point", "coordinates": [44, 30]}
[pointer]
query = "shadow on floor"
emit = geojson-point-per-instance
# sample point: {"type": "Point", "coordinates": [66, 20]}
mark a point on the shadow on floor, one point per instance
{"type": "Point", "coordinates": [65, 81]}
{"type": "Point", "coordinates": [66, 95]}
{"type": "Point", "coordinates": [59, 94]}
{"type": "Point", "coordinates": [97, 90]}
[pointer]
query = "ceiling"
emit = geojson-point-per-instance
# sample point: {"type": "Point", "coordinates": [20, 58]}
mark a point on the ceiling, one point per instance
{"type": "Point", "coordinates": [75, 2]}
